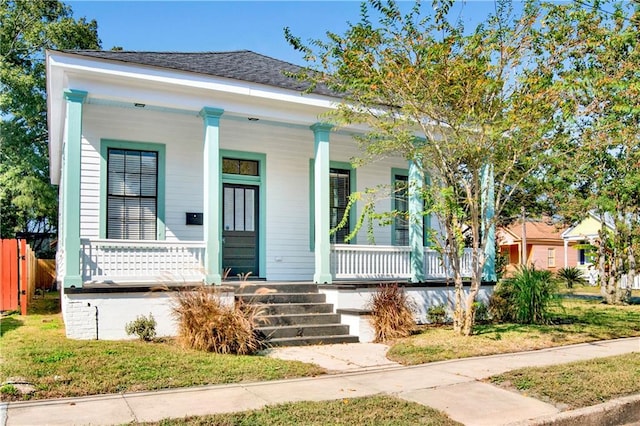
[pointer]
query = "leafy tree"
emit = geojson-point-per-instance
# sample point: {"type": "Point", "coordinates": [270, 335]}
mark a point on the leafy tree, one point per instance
{"type": "Point", "coordinates": [456, 103]}
{"type": "Point", "coordinates": [601, 72]}
{"type": "Point", "coordinates": [28, 202]}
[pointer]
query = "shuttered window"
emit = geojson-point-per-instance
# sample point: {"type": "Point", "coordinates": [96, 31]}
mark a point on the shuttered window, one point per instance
{"type": "Point", "coordinates": [132, 194]}
{"type": "Point", "coordinates": [339, 190]}
{"type": "Point", "coordinates": [401, 206]}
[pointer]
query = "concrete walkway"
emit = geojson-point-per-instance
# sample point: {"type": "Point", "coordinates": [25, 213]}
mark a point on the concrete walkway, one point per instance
{"type": "Point", "coordinates": [451, 386]}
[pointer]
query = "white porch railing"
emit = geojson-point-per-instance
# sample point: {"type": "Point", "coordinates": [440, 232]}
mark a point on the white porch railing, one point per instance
{"type": "Point", "coordinates": [387, 262]}
{"type": "Point", "coordinates": [370, 262]}
{"type": "Point", "coordinates": [634, 286]}
{"type": "Point", "coordinates": [144, 261]}
{"type": "Point", "coordinates": [592, 274]}
{"type": "Point", "coordinates": [104, 260]}
{"type": "Point", "coordinates": [434, 267]}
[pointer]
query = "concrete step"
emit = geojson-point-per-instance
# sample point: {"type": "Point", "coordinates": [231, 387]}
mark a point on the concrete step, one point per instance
{"type": "Point", "coordinates": [296, 308]}
{"type": "Point", "coordinates": [294, 314]}
{"type": "Point", "coordinates": [256, 287]}
{"type": "Point", "coordinates": [312, 340]}
{"type": "Point", "coordinates": [300, 319]}
{"type": "Point", "coordinates": [279, 332]}
{"type": "Point", "coordinates": [283, 298]}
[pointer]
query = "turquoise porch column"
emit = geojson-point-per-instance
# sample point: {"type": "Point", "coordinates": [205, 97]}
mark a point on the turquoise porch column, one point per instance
{"type": "Point", "coordinates": [71, 188]}
{"type": "Point", "coordinates": [488, 212]}
{"type": "Point", "coordinates": [416, 222]}
{"type": "Point", "coordinates": [322, 247]}
{"type": "Point", "coordinates": [212, 199]}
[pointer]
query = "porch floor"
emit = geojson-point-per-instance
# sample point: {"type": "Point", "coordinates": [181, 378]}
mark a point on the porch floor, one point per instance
{"type": "Point", "coordinates": [141, 286]}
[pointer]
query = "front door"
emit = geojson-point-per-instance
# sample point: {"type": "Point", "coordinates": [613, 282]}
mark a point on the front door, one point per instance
{"type": "Point", "coordinates": [240, 229]}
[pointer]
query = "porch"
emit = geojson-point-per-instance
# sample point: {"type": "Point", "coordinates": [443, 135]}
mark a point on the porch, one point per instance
{"type": "Point", "coordinates": [178, 262]}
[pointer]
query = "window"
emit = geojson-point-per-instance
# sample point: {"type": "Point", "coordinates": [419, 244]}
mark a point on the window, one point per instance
{"type": "Point", "coordinates": [239, 208]}
{"type": "Point", "coordinates": [236, 166]}
{"type": "Point", "coordinates": [132, 194]}
{"type": "Point", "coordinates": [342, 183]}
{"type": "Point", "coordinates": [551, 257]}
{"type": "Point", "coordinates": [401, 205]}
{"type": "Point", "coordinates": [339, 191]}
{"type": "Point", "coordinates": [582, 257]}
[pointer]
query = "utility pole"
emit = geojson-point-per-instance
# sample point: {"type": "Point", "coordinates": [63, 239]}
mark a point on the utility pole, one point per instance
{"type": "Point", "coordinates": [523, 260]}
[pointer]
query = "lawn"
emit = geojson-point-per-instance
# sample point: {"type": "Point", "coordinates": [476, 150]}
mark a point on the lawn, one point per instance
{"type": "Point", "coordinates": [577, 321]}
{"type": "Point", "coordinates": [578, 384]}
{"type": "Point", "coordinates": [375, 410]}
{"type": "Point", "coordinates": [35, 348]}
{"type": "Point", "coordinates": [590, 290]}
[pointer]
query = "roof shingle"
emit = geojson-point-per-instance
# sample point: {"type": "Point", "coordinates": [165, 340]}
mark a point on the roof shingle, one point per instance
{"type": "Point", "coordinates": [243, 65]}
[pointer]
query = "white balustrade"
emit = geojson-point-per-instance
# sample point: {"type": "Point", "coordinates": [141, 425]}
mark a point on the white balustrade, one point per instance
{"type": "Point", "coordinates": [106, 260]}
{"type": "Point", "coordinates": [370, 262]}
{"type": "Point", "coordinates": [388, 262]}
{"type": "Point", "coordinates": [634, 286]}
{"type": "Point", "coordinates": [437, 267]}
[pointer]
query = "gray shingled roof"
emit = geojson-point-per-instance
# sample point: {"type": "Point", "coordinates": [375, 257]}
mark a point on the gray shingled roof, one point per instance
{"type": "Point", "coordinates": [243, 65]}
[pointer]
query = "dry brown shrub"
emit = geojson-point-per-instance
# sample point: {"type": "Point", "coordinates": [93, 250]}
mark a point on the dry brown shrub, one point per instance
{"type": "Point", "coordinates": [391, 312]}
{"type": "Point", "coordinates": [205, 323]}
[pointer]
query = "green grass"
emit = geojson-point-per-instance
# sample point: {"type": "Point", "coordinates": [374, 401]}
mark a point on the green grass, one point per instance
{"type": "Point", "coordinates": [375, 410]}
{"type": "Point", "coordinates": [590, 290]}
{"type": "Point", "coordinates": [35, 348]}
{"type": "Point", "coordinates": [578, 321]}
{"type": "Point", "coordinates": [578, 384]}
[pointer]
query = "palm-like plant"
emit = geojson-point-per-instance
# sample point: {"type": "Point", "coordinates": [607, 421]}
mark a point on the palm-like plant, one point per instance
{"type": "Point", "coordinates": [571, 276]}
{"type": "Point", "coordinates": [526, 297]}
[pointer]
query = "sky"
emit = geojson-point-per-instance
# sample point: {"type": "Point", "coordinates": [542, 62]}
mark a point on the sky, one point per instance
{"type": "Point", "coordinates": [213, 26]}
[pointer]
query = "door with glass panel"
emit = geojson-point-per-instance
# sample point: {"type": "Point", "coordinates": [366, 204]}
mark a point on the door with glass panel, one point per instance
{"type": "Point", "coordinates": [240, 229]}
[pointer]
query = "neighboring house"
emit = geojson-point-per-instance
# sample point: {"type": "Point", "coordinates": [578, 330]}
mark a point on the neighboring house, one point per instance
{"type": "Point", "coordinates": [176, 167]}
{"type": "Point", "coordinates": [578, 238]}
{"type": "Point", "coordinates": [544, 245]}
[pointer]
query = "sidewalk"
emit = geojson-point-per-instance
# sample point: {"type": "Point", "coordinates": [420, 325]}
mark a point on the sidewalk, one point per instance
{"type": "Point", "coordinates": [451, 386]}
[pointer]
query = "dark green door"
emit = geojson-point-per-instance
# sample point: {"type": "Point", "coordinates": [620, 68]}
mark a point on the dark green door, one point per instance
{"type": "Point", "coordinates": [240, 229]}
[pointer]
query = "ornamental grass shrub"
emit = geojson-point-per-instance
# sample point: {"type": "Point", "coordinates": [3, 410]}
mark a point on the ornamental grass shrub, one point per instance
{"type": "Point", "coordinates": [206, 323]}
{"type": "Point", "coordinates": [525, 298]}
{"type": "Point", "coordinates": [391, 312]}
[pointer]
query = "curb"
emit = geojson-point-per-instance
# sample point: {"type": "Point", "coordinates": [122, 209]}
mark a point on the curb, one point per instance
{"type": "Point", "coordinates": [3, 413]}
{"type": "Point", "coordinates": [620, 411]}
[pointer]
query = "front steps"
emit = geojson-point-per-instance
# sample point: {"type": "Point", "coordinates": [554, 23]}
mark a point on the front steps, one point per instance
{"type": "Point", "coordinates": [296, 314]}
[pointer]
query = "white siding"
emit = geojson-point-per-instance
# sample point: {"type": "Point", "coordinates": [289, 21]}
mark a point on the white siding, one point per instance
{"type": "Point", "coordinates": [287, 149]}
{"type": "Point", "coordinates": [182, 136]}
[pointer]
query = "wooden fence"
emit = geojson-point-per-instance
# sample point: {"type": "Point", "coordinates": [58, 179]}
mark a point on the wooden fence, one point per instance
{"type": "Point", "coordinates": [9, 270]}
{"type": "Point", "coordinates": [21, 273]}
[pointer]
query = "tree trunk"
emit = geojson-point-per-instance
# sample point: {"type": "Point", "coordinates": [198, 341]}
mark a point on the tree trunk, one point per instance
{"type": "Point", "coordinates": [605, 266]}
{"type": "Point", "coordinates": [523, 259]}
{"type": "Point", "coordinates": [458, 310]}
{"type": "Point", "coordinates": [631, 275]}
{"type": "Point", "coordinates": [607, 287]}
{"type": "Point", "coordinates": [470, 312]}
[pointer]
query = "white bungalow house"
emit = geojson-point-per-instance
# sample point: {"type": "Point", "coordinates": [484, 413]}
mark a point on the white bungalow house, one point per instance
{"type": "Point", "coordinates": [176, 167]}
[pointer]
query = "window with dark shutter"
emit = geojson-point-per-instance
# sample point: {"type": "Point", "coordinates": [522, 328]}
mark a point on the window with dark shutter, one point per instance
{"type": "Point", "coordinates": [401, 200]}
{"type": "Point", "coordinates": [132, 194]}
{"type": "Point", "coordinates": [339, 191]}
